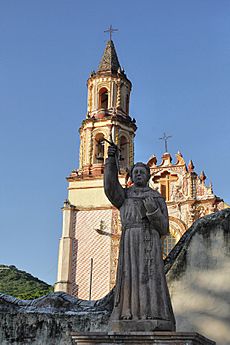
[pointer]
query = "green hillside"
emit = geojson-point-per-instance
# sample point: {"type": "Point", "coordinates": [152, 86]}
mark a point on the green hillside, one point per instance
{"type": "Point", "coordinates": [21, 284]}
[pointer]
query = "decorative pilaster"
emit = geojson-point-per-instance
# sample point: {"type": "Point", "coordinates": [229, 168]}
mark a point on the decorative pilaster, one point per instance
{"type": "Point", "coordinates": [81, 153]}
{"type": "Point", "coordinates": [64, 282]}
{"type": "Point", "coordinates": [131, 150]}
{"type": "Point", "coordinates": [90, 96]}
{"type": "Point", "coordinates": [118, 94]}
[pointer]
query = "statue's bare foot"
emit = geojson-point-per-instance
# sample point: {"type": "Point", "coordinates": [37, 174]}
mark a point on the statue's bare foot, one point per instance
{"type": "Point", "coordinates": [126, 317]}
{"type": "Point", "coordinates": [146, 317]}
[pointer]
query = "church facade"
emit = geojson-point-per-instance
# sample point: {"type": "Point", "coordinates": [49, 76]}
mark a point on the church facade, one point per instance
{"type": "Point", "coordinates": [88, 248]}
{"type": "Point", "coordinates": [188, 197]}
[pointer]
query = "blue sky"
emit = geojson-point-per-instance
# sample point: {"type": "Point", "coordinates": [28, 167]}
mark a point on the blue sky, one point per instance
{"type": "Point", "coordinates": [175, 52]}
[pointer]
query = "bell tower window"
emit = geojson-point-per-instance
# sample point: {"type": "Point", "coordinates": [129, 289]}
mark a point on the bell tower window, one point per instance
{"type": "Point", "coordinates": [99, 148]}
{"type": "Point", "coordinates": [103, 98]}
{"type": "Point", "coordinates": [124, 147]}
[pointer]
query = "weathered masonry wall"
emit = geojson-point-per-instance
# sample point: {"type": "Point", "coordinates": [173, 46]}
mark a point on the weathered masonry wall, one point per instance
{"type": "Point", "coordinates": [40, 329]}
{"type": "Point", "coordinates": [199, 278]}
{"type": "Point", "coordinates": [50, 319]}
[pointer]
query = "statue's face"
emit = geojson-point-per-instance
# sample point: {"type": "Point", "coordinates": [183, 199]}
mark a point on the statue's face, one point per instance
{"type": "Point", "coordinates": [140, 176]}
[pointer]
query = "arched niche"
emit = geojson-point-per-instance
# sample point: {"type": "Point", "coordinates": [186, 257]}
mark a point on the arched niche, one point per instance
{"type": "Point", "coordinates": [124, 151]}
{"type": "Point", "coordinates": [103, 98]}
{"type": "Point", "coordinates": [99, 148]}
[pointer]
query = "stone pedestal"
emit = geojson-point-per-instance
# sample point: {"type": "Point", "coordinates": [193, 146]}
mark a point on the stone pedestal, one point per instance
{"type": "Point", "coordinates": [121, 326]}
{"type": "Point", "coordinates": [140, 338]}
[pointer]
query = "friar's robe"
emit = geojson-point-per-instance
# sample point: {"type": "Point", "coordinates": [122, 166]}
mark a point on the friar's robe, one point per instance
{"type": "Point", "coordinates": [141, 291]}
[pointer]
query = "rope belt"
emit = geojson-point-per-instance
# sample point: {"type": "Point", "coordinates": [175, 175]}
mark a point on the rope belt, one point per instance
{"type": "Point", "coordinates": [143, 224]}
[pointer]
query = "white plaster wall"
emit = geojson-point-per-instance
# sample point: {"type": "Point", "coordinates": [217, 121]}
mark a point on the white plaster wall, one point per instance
{"type": "Point", "coordinates": [199, 280]}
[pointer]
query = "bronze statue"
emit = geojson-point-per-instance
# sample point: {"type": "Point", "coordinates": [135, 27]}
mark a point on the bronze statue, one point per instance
{"type": "Point", "coordinates": [142, 301]}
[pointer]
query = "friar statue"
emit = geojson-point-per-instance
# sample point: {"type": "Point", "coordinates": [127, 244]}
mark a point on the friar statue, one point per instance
{"type": "Point", "coordinates": [142, 301]}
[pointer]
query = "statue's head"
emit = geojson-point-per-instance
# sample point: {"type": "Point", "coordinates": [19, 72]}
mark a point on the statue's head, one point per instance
{"type": "Point", "coordinates": [140, 174]}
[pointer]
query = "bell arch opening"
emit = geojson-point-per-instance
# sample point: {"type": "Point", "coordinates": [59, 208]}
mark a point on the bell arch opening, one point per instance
{"type": "Point", "coordinates": [99, 148]}
{"type": "Point", "coordinates": [124, 151]}
{"type": "Point", "coordinates": [103, 98]}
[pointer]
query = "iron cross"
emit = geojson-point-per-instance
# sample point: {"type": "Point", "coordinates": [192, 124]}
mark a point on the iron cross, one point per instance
{"type": "Point", "coordinates": [165, 138]}
{"type": "Point", "coordinates": [110, 30]}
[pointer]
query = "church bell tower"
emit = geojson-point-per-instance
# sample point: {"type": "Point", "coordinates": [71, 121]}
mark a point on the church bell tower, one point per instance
{"type": "Point", "coordinates": [107, 116]}
{"type": "Point", "coordinates": [87, 250]}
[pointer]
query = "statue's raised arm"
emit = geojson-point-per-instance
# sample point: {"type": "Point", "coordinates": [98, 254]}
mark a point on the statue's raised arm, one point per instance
{"type": "Point", "coordinates": [113, 189]}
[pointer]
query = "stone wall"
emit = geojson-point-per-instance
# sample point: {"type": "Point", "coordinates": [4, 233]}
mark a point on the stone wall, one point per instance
{"type": "Point", "coordinates": [49, 329]}
{"type": "Point", "coordinates": [198, 275]}
{"type": "Point", "coordinates": [50, 319]}
{"type": "Point", "coordinates": [199, 278]}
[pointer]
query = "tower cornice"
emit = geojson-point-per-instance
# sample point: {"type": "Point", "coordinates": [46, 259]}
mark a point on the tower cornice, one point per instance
{"type": "Point", "coordinates": [118, 77]}
{"type": "Point", "coordinates": [109, 120]}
